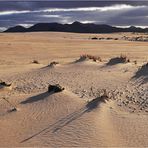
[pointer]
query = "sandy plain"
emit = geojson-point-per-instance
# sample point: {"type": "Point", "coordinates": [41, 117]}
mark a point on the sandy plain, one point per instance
{"type": "Point", "coordinates": [65, 119]}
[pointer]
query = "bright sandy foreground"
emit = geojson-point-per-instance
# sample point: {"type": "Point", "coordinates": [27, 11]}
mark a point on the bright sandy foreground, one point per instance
{"type": "Point", "coordinates": [63, 119]}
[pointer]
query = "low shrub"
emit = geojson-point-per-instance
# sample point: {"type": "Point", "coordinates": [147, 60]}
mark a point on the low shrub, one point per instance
{"type": "Point", "coordinates": [35, 62]}
{"type": "Point", "coordinates": [94, 58]}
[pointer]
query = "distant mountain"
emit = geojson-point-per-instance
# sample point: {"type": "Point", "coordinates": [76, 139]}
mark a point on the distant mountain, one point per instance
{"type": "Point", "coordinates": [76, 27]}
{"type": "Point", "coordinates": [16, 29]}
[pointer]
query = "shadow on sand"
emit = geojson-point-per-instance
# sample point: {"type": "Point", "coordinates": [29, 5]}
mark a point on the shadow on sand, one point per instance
{"type": "Point", "coordinates": [39, 97]}
{"type": "Point", "coordinates": [142, 74]}
{"type": "Point", "coordinates": [116, 60]}
{"type": "Point", "coordinates": [93, 104]}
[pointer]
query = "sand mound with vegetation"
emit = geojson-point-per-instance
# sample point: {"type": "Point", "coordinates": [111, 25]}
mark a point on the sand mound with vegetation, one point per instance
{"type": "Point", "coordinates": [118, 60]}
{"type": "Point", "coordinates": [142, 73]}
{"type": "Point", "coordinates": [87, 57]}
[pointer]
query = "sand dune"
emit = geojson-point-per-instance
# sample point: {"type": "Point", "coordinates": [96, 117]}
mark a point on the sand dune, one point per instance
{"type": "Point", "coordinates": [76, 116]}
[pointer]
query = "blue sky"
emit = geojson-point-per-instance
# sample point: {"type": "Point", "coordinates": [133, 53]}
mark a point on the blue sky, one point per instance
{"type": "Point", "coordinates": [116, 13]}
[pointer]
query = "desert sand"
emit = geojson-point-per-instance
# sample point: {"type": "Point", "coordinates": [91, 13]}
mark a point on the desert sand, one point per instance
{"type": "Point", "coordinates": [67, 119]}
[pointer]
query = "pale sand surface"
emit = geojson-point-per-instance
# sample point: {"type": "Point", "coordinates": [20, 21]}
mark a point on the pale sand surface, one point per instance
{"type": "Point", "coordinates": [64, 119]}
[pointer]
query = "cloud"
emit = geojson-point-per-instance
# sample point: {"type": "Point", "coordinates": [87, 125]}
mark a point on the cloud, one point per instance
{"type": "Point", "coordinates": [111, 13]}
{"type": "Point", "coordinates": [26, 25]}
{"type": "Point", "coordinates": [50, 16]}
{"type": "Point", "coordinates": [13, 12]}
{"type": "Point", "coordinates": [106, 8]}
{"type": "Point", "coordinates": [121, 7]}
{"type": "Point", "coordinates": [2, 29]}
{"type": "Point", "coordinates": [87, 21]}
{"type": "Point", "coordinates": [136, 17]}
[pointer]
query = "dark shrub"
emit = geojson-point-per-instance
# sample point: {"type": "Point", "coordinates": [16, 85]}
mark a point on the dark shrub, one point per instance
{"type": "Point", "coordinates": [55, 88]}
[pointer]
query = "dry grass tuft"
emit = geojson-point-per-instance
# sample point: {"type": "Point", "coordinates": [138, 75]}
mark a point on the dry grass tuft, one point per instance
{"type": "Point", "coordinates": [35, 62]}
{"type": "Point", "coordinates": [53, 63]}
{"type": "Point", "coordinates": [121, 59]}
{"type": "Point", "coordinates": [90, 57]}
{"type": "Point", "coordinates": [124, 59]}
{"type": "Point", "coordinates": [135, 62]}
{"type": "Point", "coordinates": [102, 98]}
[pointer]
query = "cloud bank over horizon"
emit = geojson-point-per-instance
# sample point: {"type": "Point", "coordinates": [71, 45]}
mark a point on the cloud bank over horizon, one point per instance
{"type": "Point", "coordinates": [116, 13]}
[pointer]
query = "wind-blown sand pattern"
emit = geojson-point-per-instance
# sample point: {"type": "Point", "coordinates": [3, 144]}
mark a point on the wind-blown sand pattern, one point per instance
{"type": "Point", "coordinates": [76, 116]}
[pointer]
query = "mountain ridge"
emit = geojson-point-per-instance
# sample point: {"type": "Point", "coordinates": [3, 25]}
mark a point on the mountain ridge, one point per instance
{"type": "Point", "coordinates": [75, 27]}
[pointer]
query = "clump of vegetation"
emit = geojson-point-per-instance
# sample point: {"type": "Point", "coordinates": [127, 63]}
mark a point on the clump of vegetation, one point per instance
{"type": "Point", "coordinates": [94, 38]}
{"type": "Point", "coordinates": [102, 98]}
{"type": "Point", "coordinates": [90, 57]}
{"type": "Point", "coordinates": [135, 62]}
{"type": "Point", "coordinates": [53, 63]}
{"type": "Point", "coordinates": [116, 39]}
{"type": "Point", "coordinates": [2, 83]}
{"type": "Point", "coordinates": [35, 62]}
{"type": "Point", "coordinates": [109, 38]}
{"type": "Point", "coordinates": [124, 59]}
{"type": "Point", "coordinates": [117, 60]}
{"type": "Point", "coordinates": [55, 88]}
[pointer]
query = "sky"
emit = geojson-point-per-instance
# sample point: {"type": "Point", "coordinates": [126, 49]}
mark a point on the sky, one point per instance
{"type": "Point", "coordinates": [115, 13]}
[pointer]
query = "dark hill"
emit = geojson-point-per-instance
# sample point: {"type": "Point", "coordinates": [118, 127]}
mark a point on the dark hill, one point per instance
{"type": "Point", "coordinates": [16, 29]}
{"type": "Point", "coordinates": [76, 27]}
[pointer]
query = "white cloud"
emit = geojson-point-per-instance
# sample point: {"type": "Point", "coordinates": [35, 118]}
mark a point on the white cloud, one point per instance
{"type": "Point", "coordinates": [130, 26]}
{"type": "Point", "coordinates": [106, 8]}
{"type": "Point", "coordinates": [26, 25]}
{"type": "Point", "coordinates": [87, 21]}
{"type": "Point", "coordinates": [51, 16]}
{"type": "Point", "coordinates": [142, 26]}
{"type": "Point", "coordinates": [120, 7]}
{"type": "Point", "coordinates": [101, 9]}
{"type": "Point", "coordinates": [2, 29]}
{"type": "Point", "coordinates": [13, 12]}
